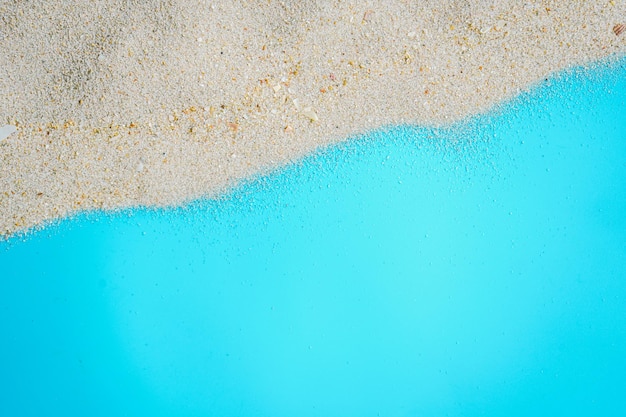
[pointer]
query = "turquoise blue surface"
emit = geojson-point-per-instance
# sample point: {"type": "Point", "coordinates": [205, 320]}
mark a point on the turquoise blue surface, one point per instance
{"type": "Point", "coordinates": [477, 270]}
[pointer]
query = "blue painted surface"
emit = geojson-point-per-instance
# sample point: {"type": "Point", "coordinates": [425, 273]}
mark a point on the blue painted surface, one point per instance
{"type": "Point", "coordinates": [415, 272]}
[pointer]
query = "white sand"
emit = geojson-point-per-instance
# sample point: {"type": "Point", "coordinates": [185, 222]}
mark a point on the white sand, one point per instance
{"type": "Point", "coordinates": [155, 102]}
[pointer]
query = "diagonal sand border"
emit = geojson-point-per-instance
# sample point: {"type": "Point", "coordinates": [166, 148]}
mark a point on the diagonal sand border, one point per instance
{"type": "Point", "coordinates": [130, 102]}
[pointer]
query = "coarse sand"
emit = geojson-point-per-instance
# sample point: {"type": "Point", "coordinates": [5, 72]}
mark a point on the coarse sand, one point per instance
{"type": "Point", "coordinates": [121, 103]}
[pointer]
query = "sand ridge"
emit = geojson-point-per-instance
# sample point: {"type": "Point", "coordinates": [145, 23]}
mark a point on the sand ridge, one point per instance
{"type": "Point", "coordinates": [155, 102]}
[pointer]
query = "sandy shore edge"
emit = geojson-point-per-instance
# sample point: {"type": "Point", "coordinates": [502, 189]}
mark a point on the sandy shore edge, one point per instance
{"type": "Point", "coordinates": [126, 103]}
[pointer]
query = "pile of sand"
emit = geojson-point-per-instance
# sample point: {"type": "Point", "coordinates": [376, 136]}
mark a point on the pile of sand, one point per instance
{"type": "Point", "coordinates": [155, 102]}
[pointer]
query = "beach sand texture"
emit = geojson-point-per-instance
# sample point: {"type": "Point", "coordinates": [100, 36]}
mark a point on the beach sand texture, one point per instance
{"type": "Point", "coordinates": [122, 103]}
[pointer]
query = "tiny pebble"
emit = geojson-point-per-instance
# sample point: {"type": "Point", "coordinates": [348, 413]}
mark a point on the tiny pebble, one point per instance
{"type": "Point", "coordinates": [7, 130]}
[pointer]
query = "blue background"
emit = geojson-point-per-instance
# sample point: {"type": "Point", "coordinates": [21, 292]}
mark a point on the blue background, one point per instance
{"type": "Point", "coordinates": [474, 270]}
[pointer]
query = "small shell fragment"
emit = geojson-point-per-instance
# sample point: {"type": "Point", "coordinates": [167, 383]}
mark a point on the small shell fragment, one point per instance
{"type": "Point", "coordinates": [7, 130]}
{"type": "Point", "coordinates": [619, 29]}
{"type": "Point", "coordinates": [309, 113]}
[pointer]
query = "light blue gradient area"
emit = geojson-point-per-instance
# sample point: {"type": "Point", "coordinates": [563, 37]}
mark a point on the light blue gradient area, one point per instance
{"type": "Point", "coordinates": [413, 272]}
